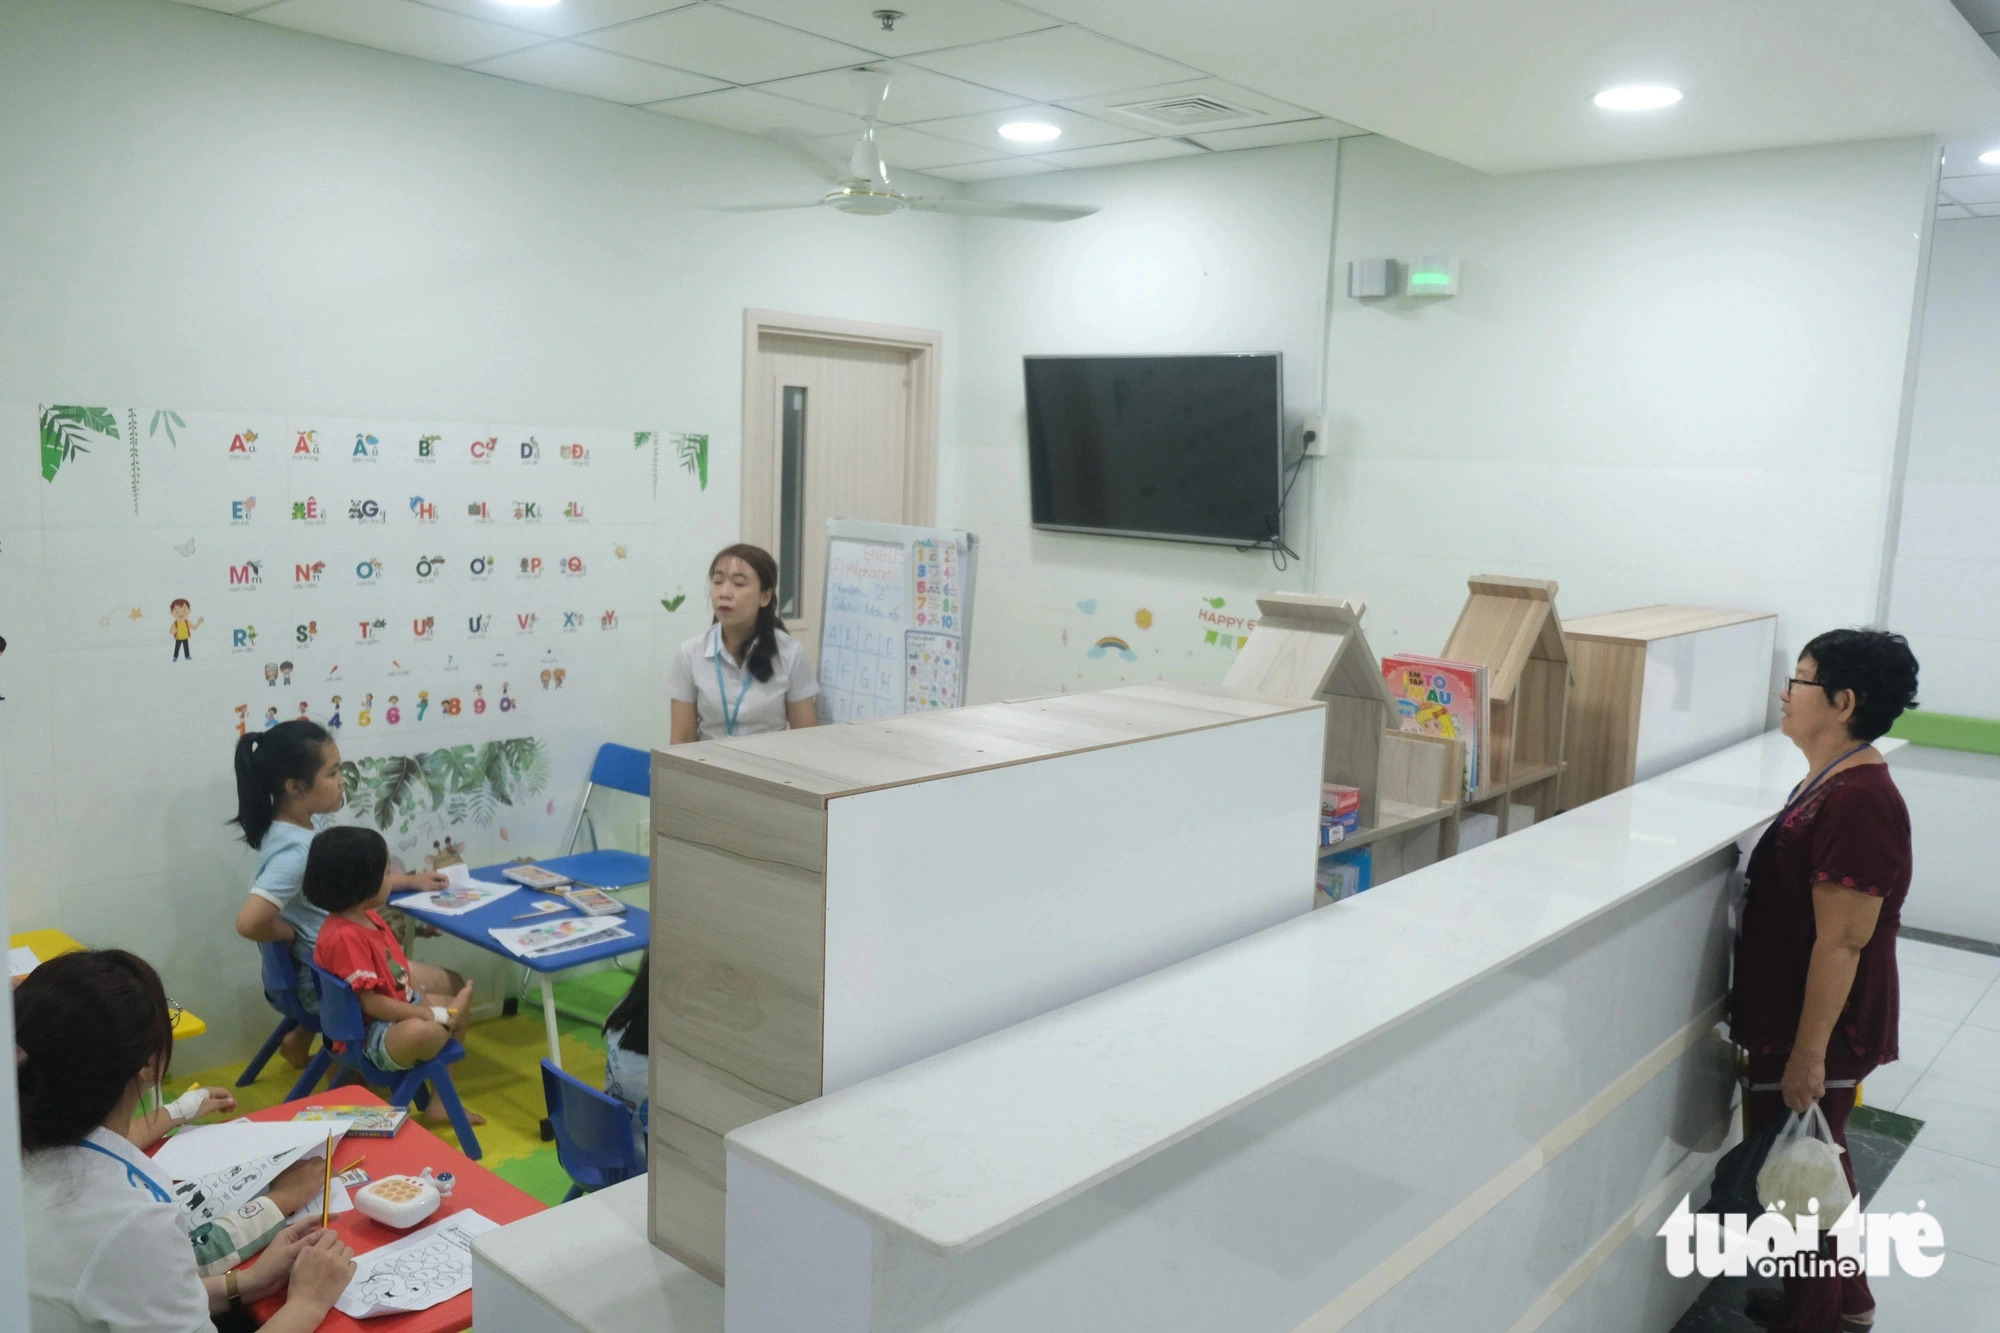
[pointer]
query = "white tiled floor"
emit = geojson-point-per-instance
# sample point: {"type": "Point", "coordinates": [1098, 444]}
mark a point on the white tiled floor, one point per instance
{"type": "Point", "coordinates": [1949, 1078]}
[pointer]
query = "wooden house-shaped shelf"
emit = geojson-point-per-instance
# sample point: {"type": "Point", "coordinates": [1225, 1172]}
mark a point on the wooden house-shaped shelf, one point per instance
{"type": "Point", "coordinates": [1312, 649]}
{"type": "Point", "coordinates": [1510, 627]}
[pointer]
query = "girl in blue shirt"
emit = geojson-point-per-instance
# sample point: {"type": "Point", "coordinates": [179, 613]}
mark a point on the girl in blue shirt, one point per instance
{"type": "Point", "coordinates": [288, 780]}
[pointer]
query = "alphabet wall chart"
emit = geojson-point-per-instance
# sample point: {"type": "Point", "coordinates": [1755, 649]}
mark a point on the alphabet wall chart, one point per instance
{"type": "Point", "coordinates": [471, 608]}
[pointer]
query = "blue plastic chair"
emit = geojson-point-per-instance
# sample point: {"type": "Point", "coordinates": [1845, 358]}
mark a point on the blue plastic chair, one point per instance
{"type": "Point", "coordinates": [281, 978]}
{"type": "Point", "coordinates": [594, 1136]}
{"type": "Point", "coordinates": [341, 1020]}
{"type": "Point", "coordinates": [621, 768]}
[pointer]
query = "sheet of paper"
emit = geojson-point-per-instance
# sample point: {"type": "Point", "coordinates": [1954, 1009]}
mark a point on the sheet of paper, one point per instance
{"type": "Point", "coordinates": [343, 1202]}
{"type": "Point", "coordinates": [416, 1272]}
{"type": "Point", "coordinates": [458, 875]}
{"type": "Point", "coordinates": [21, 960]}
{"type": "Point", "coordinates": [558, 936]}
{"type": "Point", "coordinates": [456, 900]}
{"type": "Point", "coordinates": [215, 1168]}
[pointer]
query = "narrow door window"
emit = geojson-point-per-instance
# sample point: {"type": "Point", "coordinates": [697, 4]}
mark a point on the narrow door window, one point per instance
{"type": "Point", "coordinates": [791, 500]}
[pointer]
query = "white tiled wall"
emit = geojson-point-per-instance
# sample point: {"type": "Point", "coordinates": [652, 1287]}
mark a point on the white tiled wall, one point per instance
{"type": "Point", "coordinates": [1953, 797]}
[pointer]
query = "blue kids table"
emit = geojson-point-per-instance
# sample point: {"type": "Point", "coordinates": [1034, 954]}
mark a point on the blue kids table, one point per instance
{"type": "Point", "coordinates": [475, 928]}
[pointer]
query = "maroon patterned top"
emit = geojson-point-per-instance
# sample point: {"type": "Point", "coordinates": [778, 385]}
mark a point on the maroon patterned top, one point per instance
{"type": "Point", "coordinates": [1853, 831]}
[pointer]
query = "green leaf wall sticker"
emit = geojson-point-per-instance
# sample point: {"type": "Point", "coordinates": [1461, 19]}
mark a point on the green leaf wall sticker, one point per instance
{"type": "Point", "coordinates": [692, 450]}
{"type": "Point", "coordinates": [65, 429]}
{"type": "Point", "coordinates": [460, 782]}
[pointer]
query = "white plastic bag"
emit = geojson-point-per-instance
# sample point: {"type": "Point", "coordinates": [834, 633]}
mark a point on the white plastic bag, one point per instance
{"type": "Point", "coordinates": [1804, 1165]}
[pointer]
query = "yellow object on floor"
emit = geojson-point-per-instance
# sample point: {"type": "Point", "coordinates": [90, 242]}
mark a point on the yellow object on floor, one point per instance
{"type": "Point", "coordinates": [49, 944]}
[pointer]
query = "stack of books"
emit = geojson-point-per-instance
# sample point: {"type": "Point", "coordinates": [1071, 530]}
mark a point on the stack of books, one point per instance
{"type": "Point", "coordinates": [1347, 874]}
{"type": "Point", "coordinates": [1339, 813]}
{"type": "Point", "coordinates": [1437, 697]}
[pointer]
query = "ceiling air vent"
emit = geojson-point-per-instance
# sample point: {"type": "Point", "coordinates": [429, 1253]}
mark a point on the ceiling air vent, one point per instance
{"type": "Point", "coordinates": [1185, 113]}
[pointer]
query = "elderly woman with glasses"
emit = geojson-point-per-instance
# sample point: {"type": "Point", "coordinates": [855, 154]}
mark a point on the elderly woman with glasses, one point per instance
{"type": "Point", "coordinates": [1814, 993]}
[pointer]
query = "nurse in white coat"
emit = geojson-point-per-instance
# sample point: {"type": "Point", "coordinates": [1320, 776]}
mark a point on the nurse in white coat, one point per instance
{"type": "Point", "coordinates": [106, 1247]}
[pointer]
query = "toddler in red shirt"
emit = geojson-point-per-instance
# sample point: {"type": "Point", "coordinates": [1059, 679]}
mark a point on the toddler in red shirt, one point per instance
{"type": "Point", "coordinates": [347, 876]}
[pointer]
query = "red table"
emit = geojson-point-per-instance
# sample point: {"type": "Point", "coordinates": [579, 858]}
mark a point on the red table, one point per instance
{"type": "Point", "coordinates": [413, 1149]}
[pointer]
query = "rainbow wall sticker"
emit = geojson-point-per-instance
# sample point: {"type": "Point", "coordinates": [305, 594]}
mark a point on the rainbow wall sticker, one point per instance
{"type": "Point", "coordinates": [1110, 643]}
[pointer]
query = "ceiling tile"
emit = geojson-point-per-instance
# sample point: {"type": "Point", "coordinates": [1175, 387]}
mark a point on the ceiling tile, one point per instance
{"type": "Point", "coordinates": [399, 26]}
{"type": "Point", "coordinates": [1962, 158]}
{"type": "Point", "coordinates": [1078, 131]}
{"type": "Point", "coordinates": [753, 111]}
{"type": "Point", "coordinates": [726, 45]}
{"type": "Point", "coordinates": [567, 19]}
{"type": "Point", "coordinates": [1974, 189]}
{"type": "Point", "coordinates": [910, 150]}
{"type": "Point", "coordinates": [988, 171]}
{"type": "Point", "coordinates": [594, 73]}
{"type": "Point", "coordinates": [1056, 65]}
{"type": "Point", "coordinates": [1145, 150]}
{"type": "Point", "coordinates": [224, 6]}
{"type": "Point", "coordinates": [1262, 110]}
{"type": "Point", "coordinates": [914, 94]}
{"type": "Point", "coordinates": [1270, 136]}
{"type": "Point", "coordinates": [926, 25]}
{"type": "Point", "coordinates": [1952, 212]}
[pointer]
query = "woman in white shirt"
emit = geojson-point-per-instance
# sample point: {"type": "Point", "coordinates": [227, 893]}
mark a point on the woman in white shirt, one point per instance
{"type": "Point", "coordinates": [744, 675]}
{"type": "Point", "coordinates": [107, 1249]}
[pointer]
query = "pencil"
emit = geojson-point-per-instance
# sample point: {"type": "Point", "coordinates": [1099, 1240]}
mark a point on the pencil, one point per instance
{"type": "Point", "coordinates": [326, 1199]}
{"type": "Point", "coordinates": [544, 912]}
{"type": "Point", "coordinates": [351, 1165]}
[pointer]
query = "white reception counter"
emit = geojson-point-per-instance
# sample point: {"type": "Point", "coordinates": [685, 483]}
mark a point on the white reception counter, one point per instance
{"type": "Point", "coordinates": [1462, 1102]}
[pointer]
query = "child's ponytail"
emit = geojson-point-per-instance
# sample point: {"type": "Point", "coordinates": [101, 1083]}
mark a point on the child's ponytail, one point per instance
{"type": "Point", "coordinates": [265, 762]}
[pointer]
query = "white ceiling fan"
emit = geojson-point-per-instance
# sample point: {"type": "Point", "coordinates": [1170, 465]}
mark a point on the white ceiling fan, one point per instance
{"type": "Point", "coordinates": [864, 190]}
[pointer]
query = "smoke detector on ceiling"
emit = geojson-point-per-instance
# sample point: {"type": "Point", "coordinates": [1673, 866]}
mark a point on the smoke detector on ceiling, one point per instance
{"type": "Point", "coordinates": [1186, 113]}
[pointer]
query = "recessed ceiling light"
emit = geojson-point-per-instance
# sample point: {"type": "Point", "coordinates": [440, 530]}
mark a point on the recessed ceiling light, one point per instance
{"type": "Point", "coordinates": [1030, 131]}
{"type": "Point", "coordinates": [1991, 157]}
{"type": "Point", "coordinates": [1637, 97]}
{"type": "Point", "coordinates": [528, 4]}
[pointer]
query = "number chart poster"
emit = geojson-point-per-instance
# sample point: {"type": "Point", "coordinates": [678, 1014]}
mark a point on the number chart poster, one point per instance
{"type": "Point", "coordinates": [470, 608]}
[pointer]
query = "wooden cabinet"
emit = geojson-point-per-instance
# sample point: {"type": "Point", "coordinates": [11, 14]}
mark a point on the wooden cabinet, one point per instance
{"type": "Point", "coordinates": [834, 903]}
{"type": "Point", "coordinates": [1660, 686]}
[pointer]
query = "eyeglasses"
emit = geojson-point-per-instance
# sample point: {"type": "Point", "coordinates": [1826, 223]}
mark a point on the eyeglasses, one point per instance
{"type": "Point", "coordinates": [1797, 681]}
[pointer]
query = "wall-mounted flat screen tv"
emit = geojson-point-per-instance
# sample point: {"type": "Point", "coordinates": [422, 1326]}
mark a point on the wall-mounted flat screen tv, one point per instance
{"type": "Point", "coordinates": [1188, 448]}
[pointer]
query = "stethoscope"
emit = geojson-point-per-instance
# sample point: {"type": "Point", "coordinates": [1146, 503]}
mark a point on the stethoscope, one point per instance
{"type": "Point", "coordinates": [134, 1177]}
{"type": "Point", "coordinates": [729, 715]}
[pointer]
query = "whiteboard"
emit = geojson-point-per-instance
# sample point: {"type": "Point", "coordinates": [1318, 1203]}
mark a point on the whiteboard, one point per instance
{"type": "Point", "coordinates": [896, 619]}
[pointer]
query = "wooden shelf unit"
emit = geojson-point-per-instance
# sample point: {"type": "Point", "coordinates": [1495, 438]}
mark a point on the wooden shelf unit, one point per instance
{"type": "Point", "coordinates": [1659, 686]}
{"type": "Point", "coordinates": [1510, 627]}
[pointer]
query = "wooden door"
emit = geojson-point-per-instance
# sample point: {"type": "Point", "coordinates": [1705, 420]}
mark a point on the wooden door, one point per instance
{"type": "Point", "coordinates": [839, 422]}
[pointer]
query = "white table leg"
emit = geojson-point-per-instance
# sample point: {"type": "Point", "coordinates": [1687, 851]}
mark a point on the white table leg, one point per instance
{"type": "Point", "coordinates": [549, 1017]}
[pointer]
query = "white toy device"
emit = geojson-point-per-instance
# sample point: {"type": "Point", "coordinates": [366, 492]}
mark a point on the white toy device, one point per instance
{"type": "Point", "coordinates": [403, 1201]}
